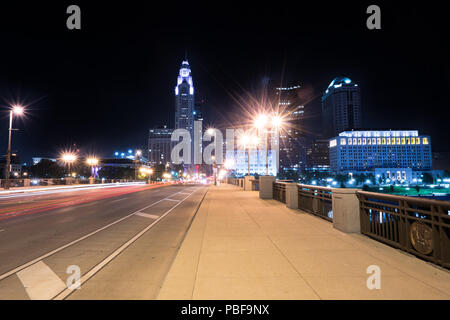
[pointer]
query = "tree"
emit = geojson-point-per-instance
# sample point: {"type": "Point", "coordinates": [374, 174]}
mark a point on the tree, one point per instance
{"type": "Point", "coordinates": [158, 171]}
{"type": "Point", "coordinates": [110, 172]}
{"type": "Point", "coordinates": [47, 169]}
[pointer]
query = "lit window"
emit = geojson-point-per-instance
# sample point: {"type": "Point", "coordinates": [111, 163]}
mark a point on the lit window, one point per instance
{"type": "Point", "coordinates": [374, 140]}
{"type": "Point", "coordinates": [417, 140]}
{"type": "Point", "coordinates": [359, 141]}
{"type": "Point", "coordinates": [343, 142]}
{"type": "Point", "coordinates": [333, 143]}
{"type": "Point", "coordinates": [398, 140]}
{"type": "Point", "coordinates": [349, 141]}
{"type": "Point", "coordinates": [388, 141]}
{"type": "Point", "coordinates": [408, 141]}
{"type": "Point", "coordinates": [425, 141]}
{"type": "Point", "coordinates": [379, 141]}
{"type": "Point", "coordinates": [403, 140]}
{"type": "Point", "coordinates": [413, 141]}
{"type": "Point", "coordinates": [354, 141]}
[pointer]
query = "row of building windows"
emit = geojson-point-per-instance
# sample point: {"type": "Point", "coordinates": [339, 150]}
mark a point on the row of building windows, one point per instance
{"type": "Point", "coordinates": [381, 141]}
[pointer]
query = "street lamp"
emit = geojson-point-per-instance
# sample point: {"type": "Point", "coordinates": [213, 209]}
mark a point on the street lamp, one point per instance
{"type": "Point", "coordinates": [69, 158]}
{"type": "Point", "coordinates": [248, 141]}
{"type": "Point", "coordinates": [15, 110]}
{"type": "Point", "coordinates": [92, 162]}
{"type": "Point", "coordinates": [136, 159]}
{"type": "Point", "coordinates": [214, 165]}
{"type": "Point", "coordinates": [267, 124]}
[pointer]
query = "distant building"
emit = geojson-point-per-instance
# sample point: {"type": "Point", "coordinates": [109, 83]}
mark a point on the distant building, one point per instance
{"type": "Point", "coordinates": [184, 104]}
{"type": "Point", "coordinates": [184, 99]}
{"type": "Point", "coordinates": [122, 162]}
{"type": "Point", "coordinates": [257, 163]}
{"type": "Point", "coordinates": [395, 154]}
{"type": "Point", "coordinates": [159, 145]}
{"type": "Point", "coordinates": [292, 147]}
{"type": "Point", "coordinates": [341, 107]}
{"type": "Point", "coordinates": [36, 160]}
{"type": "Point", "coordinates": [318, 155]}
{"type": "Point", "coordinates": [16, 166]}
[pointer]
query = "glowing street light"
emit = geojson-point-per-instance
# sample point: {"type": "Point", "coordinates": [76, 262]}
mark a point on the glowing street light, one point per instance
{"type": "Point", "coordinates": [247, 141]}
{"type": "Point", "coordinates": [137, 155]}
{"type": "Point", "coordinates": [15, 110]}
{"type": "Point", "coordinates": [266, 123]}
{"type": "Point", "coordinates": [92, 162]}
{"type": "Point", "coordinates": [69, 158]}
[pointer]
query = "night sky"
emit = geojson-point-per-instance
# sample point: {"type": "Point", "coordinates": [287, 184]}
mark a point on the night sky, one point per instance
{"type": "Point", "coordinates": [103, 87]}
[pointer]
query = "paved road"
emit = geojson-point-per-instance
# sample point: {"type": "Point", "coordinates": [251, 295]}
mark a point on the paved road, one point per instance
{"type": "Point", "coordinates": [45, 238]}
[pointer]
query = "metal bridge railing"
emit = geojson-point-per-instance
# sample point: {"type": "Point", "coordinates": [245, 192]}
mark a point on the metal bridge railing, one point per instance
{"type": "Point", "coordinates": [418, 226]}
{"type": "Point", "coordinates": [316, 200]}
{"type": "Point", "coordinates": [279, 191]}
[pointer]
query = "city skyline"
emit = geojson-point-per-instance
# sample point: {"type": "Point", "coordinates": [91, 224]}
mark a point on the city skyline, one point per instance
{"type": "Point", "coordinates": [94, 114]}
{"type": "Point", "coordinates": [224, 156]}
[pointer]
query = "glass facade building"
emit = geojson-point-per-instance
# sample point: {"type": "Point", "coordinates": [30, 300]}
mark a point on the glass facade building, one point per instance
{"type": "Point", "coordinates": [341, 107]}
{"type": "Point", "coordinates": [159, 145]}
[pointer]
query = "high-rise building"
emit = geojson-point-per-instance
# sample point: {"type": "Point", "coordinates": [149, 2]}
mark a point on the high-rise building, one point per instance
{"type": "Point", "coordinates": [318, 156]}
{"type": "Point", "coordinates": [292, 152]}
{"type": "Point", "coordinates": [341, 107]}
{"type": "Point", "coordinates": [159, 145]}
{"type": "Point", "coordinates": [402, 154]}
{"type": "Point", "coordinates": [184, 99]}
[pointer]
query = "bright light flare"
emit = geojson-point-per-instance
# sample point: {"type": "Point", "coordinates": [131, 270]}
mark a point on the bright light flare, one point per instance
{"type": "Point", "coordinates": [261, 121]}
{"type": "Point", "coordinates": [277, 121]}
{"type": "Point", "coordinates": [229, 163]}
{"type": "Point", "coordinates": [92, 161]}
{"type": "Point", "coordinates": [68, 157]}
{"type": "Point", "coordinates": [18, 110]}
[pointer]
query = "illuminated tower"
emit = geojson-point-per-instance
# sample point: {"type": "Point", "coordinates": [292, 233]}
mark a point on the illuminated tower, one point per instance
{"type": "Point", "coordinates": [341, 107]}
{"type": "Point", "coordinates": [184, 99]}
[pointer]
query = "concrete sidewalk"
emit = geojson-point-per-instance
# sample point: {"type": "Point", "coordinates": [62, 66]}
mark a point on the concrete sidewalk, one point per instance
{"type": "Point", "coordinates": [242, 247]}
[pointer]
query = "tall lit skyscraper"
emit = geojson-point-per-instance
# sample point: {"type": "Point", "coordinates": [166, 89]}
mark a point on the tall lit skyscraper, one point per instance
{"type": "Point", "coordinates": [341, 107]}
{"type": "Point", "coordinates": [184, 99]}
{"type": "Point", "coordinates": [292, 154]}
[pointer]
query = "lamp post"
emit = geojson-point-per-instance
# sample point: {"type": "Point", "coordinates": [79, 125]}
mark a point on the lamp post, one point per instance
{"type": "Point", "coordinates": [68, 158]}
{"type": "Point", "coordinates": [136, 159]}
{"type": "Point", "coordinates": [214, 165]}
{"type": "Point", "coordinates": [92, 162]}
{"type": "Point", "coordinates": [263, 122]}
{"type": "Point", "coordinates": [18, 110]}
{"type": "Point", "coordinates": [247, 142]}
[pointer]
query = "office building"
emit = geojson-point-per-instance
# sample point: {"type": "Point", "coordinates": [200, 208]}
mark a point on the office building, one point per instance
{"type": "Point", "coordinates": [184, 99]}
{"type": "Point", "coordinates": [341, 107]}
{"type": "Point", "coordinates": [159, 145]}
{"type": "Point", "coordinates": [257, 163]}
{"type": "Point", "coordinates": [402, 154]}
{"type": "Point", "coordinates": [292, 142]}
{"type": "Point", "coordinates": [318, 156]}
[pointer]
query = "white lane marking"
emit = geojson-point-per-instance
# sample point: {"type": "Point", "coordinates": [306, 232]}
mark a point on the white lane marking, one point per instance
{"type": "Point", "coordinates": [167, 199]}
{"type": "Point", "coordinates": [184, 193]}
{"type": "Point", "coordinates": [119, 199]}
{"type": "Point", "coordinates": [9, 273]}
{"type": "Point", "coordinates": [146, 215]}
{"type": "Point", "coordinates": [40, 282]}
{"type": "Point", "coordinates": [103, 263]}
